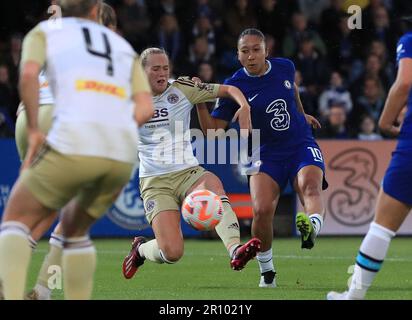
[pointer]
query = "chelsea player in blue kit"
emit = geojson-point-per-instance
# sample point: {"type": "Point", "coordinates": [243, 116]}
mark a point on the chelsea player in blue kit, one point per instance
{"type": "Point", "coordinates": [288, 151]}
{"type": "Point", "coordinates": [395, 196]}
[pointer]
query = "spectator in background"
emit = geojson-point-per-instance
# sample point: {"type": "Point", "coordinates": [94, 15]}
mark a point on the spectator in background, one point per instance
{"type": "Point", "coordinates": [314, 67]}
{"type": "Point", "coordinates": [12, 57]}
{"type": "Point", "coordinates": [297, 33]}
{"type": "Point", "coordinates": [367, 129]}
{"type": "Point", "coordinates": [161, 7]}
{"type": "Point", "coordinates": [8, 96]}
{"type": "Point", "coordinates": [206, 74]}
{"type": "Point", "coordinates": [381, 29]}
{"type": "Point", "coordinates": [369, 11]}
{"type": "Point", "coordinates": [236, 20]}
{"type": "Point", "coordinates": [271, 20]}
{"type": "Point", "coordinates": [329, 22]}
{"type": "Point", "coordinates": [377, 47]}
{"type": "Point", "coordinates": [205, 8]}
{"type": "Point", "coordinates": [201, 8]}
{"type": "Point", "coordinates": [372, 69]}
{"type": "Point", "coordinates": [135, 23]}
{"type": "Point", "coordinates": [199, 52]}
{"type": "Point", "coordinates": [336, 125]}
{"type": "Point", "coordinates": [345, 46]}
{"type": "Point", "coordinates": [371, 102]}
{"type": "Point", "coordinates": [6, 104]}
{"type": "Point", "coordinates": [204, 28]}
{"type": "Point", "coordinates": [312, 9]}
{"type": "Point", "coordinates": [309, 101]}
{"type": "Point", "coordinates": [168, 36]}
{"type": "Point", "coordinates": [335, 93]}
{"type": "Point", "coordinates": [271, 45]}
{"type": "Point", "coordinates": [5, 130]}
{"type": "Point", "coordinates": [6, 88]}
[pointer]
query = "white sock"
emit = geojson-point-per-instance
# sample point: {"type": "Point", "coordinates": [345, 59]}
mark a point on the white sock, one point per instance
{"type": "Point", "coordinates": [233, 248]}
{"type": "Point", "coordinates": [43, 292]}
{"type": "Point", "coordinates": [317, 222]}
{"type": "Point", "coordinates": [265, 260]}
{"type": "Point", "coordinates": [33, 243]}
{"type": "Point", "coordinates": [369, 260]}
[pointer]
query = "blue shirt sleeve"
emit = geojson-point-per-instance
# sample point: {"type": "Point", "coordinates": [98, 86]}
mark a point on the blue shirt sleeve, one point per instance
{"type": "Point", "coordinates": [404, 48]}
{"type": "Point", "coordinates": [225, 108]}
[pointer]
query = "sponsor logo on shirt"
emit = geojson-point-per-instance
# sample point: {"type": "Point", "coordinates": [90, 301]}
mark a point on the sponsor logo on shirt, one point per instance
{"type": "Point", "coordinates": [101, 87]}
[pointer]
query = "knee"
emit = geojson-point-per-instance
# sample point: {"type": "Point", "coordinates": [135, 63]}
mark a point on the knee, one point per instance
{"type": "Point", "coordinates": [172, 253]}
{"type": "Point", "coordinates": [263, 212]}
{"type": "Point", "coordinates": [311, 188]}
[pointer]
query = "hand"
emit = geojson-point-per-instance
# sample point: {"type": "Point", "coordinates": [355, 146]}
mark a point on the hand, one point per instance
{"type": "Point", "coordinates": [36, 139]}
{"type": "Point", "coordinates": [245, 120]}
{"type": "Point", "coordinates": [196, 80]}
{"type": "Point", "coordinates": [391, 131]}
{"type": "Point", "coordinates": [312, 121]}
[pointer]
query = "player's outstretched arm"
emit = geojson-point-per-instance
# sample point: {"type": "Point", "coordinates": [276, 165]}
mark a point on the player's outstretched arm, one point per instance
{"type": "Point", "coordinates": [33, 59]}
{"type": "Point", "coordinates": [243, 113]}
{"type": "Point", "coordinates": [397, 98]}
{"type": "Point", "coordinates": [312, 121]}
{"type": "Point", "coordinates": [207, 122]}
{"type": "Point", "coordinates": [142, 96]}
{"type": "Point", "coordinates": [144, 109]}
{"type": "Point", "coordinates": [29, 92]}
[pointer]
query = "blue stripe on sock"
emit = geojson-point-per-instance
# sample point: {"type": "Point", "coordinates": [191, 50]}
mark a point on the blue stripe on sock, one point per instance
{"type": "Point", "coordinates": [368, 263]}
{"type": "Point", "coordinates": [320, 223]}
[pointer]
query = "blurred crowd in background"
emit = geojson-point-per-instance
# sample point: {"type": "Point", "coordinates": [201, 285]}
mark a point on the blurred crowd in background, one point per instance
{"type": "Point", "coordinates": [343, 74]}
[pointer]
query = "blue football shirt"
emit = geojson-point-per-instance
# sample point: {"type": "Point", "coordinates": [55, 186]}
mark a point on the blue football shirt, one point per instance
{"type": "Point", "coordinates": [273, 108]}
{"type": "Point", "coordinates": [404, 50]}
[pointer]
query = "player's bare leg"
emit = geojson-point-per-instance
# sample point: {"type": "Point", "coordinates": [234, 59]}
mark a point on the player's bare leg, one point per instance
{"type": "Point", "coordinates": [167, 247]}
{"type": "Point", "coordinates": [308, 185]}
{"type": "Point", "coordinates": [79, 254]}
{"type": "Point", "coordinates": [265, 194]}
{"type": "Point", "coordinates": [390, 214]}
{"type": "Point", "coordinates": [22, 214]}
{"type": "Point", "coordinates": [228, 228]}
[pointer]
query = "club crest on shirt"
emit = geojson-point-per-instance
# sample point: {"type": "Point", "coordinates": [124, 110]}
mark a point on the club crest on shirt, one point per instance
{"type": "Point", "coordinates": [172, 98]}
{"type": "Point", "coordinates": [149, 206]}
{"type": "Point", "coordinates": [287, 84]}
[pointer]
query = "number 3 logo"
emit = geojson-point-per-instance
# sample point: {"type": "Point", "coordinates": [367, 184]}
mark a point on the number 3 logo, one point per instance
{"type": "Point", "coordinates": [281, 117]}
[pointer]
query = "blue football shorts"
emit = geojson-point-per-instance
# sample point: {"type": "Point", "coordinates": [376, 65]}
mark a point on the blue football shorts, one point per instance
{"type": "Point", "coordinates": [284, 169]}
{"type": "Point", "coordinates": [398, 177]}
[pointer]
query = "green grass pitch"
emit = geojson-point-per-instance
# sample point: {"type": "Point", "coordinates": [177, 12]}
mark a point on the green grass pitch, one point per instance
{"type": "Point", "coordinates": [204, 272]}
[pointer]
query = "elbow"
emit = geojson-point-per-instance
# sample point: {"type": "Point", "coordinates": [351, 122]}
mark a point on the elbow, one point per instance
{"type": "Point", "coordinates": [26, 77]}
{"type": "Point", "coordinates": [144, 115]}
{"type": "Point", "coordinates": [384, 126]}
{"type": "Point", "coordinates": [404, 86]}
{"type": "Point", "coordinates": [149, 112]}
{"type": "Point", "coordinates": [29, 72]}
